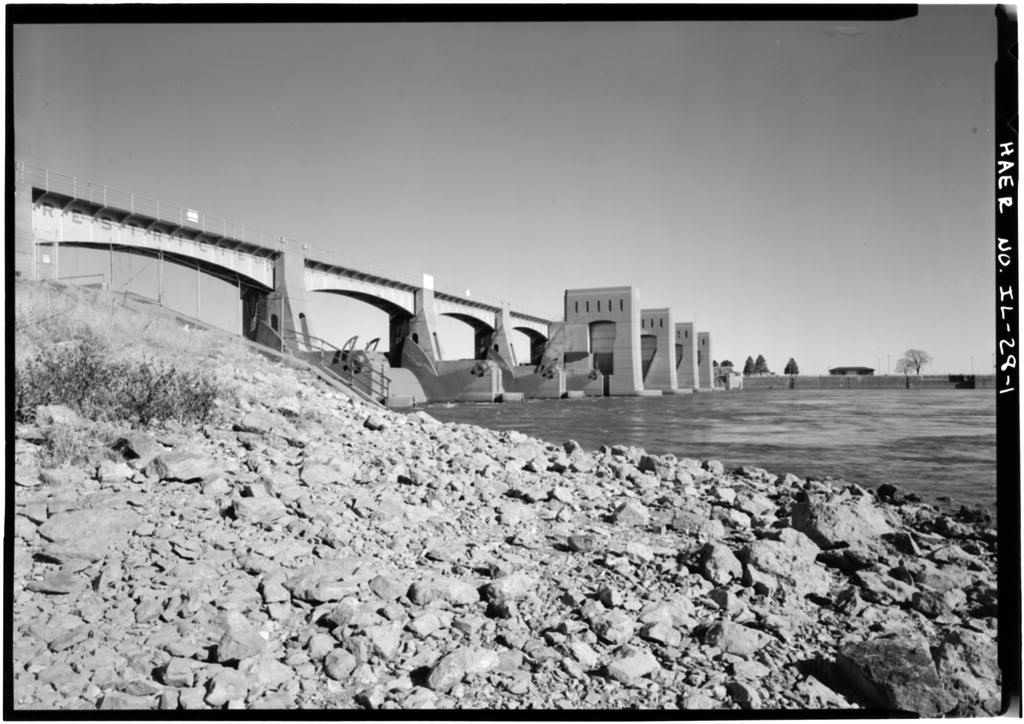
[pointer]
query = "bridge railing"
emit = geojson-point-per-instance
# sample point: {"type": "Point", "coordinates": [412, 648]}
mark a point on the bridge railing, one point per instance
{"type": "Point", "coordinates": [98, 194]}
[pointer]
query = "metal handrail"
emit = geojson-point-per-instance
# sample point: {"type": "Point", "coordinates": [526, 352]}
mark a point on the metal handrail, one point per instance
{"type": "Point", "coordinates": [191, 219]}
{"type": "Point", "coordinates": [378, 385]}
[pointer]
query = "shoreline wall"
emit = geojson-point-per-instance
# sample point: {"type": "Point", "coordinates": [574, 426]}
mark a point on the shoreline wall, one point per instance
{"type": "Point", "coordinates": [854, 382]}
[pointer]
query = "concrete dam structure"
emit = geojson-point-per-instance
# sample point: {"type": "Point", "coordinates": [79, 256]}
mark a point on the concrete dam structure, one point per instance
{"type": "Point", "coordinates": [259, 286]}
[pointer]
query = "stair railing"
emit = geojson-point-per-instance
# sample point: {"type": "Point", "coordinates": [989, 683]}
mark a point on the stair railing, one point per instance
{"type": "Point", "coordinates": [369, 380]}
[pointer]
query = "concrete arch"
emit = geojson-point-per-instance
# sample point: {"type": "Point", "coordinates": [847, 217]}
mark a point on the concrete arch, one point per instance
{"type": "Point", "coordinates": [483, 333]}
{"type": "Point", "coordinates": [523, 324]}
{"type": "Point", "coordinates": [392, 299]}
{"type": "Point", "coordinates": [385, 305]}
{"type": "Point", "coordinates": [104, 227]}
{"type": "Point", "coordinates": [212, 293]}
{"type": "Point", "coordinates": [213, 269]}
{"type": "Point", "coordinates": [473, 321]}
{"type": "Point", "coordinates": [538, 342]}
{"type": "Point", "coordinates": [533, 334]}
{"type": "Point", "coordinates": [465, 312]}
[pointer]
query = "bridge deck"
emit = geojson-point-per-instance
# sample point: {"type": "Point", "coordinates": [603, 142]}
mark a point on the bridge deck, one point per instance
{"type": "Point", "coordinates": [151, 215]}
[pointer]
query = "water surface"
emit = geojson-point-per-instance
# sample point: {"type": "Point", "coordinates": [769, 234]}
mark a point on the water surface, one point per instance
{"type": "Point", "coordinates": [932, 442]}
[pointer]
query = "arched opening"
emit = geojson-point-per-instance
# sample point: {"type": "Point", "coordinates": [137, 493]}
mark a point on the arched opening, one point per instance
{"type": "Point", "coordinates": [483, 335]}
{"type": "Point", "coordinates": [340, 314]}
{"type": "Point", "coordinates": [535, 341]}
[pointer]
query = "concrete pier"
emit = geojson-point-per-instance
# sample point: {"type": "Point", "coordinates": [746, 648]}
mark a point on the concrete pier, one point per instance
{"type": "Point", "coordinates": [705, 372]}
{"type": "Point", "coordinates": [611, 317]}
{"type": "Point", "coordinates": [658, 350]}
{"type": "Point", "coordinates": [686, 357]}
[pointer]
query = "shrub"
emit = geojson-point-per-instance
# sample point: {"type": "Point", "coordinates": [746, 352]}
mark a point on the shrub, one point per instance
{"type": "Point", "coordinates": [77, 374]}
{"type": "Point", "coordinates": [62, 444]}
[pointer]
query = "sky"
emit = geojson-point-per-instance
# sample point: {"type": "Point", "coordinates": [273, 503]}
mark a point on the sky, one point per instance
{"type": "Point", "coordinates": [799, 189]}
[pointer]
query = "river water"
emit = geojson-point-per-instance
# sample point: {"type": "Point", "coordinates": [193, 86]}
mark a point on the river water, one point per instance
{"type": "Point", "coordinates": [931, 442]}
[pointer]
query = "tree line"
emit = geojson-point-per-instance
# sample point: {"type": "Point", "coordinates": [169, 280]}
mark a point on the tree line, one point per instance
{"type": "Point", "coordinates": [760, 366]}
{"type": "Point", "coordinates": [911, 362]}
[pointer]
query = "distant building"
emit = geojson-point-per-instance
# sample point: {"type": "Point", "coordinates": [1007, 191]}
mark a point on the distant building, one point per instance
{"type": "Point", "coordinates": [868, 371]}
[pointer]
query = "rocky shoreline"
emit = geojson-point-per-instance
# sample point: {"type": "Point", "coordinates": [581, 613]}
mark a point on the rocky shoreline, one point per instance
{"type": "Point", "coordinates": [311, 551]}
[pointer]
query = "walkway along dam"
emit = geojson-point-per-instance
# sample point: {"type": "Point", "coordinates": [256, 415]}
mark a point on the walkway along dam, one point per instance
{"type": "Point", "coordinates": [258, 285]}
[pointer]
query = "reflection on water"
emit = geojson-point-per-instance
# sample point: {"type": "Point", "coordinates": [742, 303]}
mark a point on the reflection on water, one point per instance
{"type": "Point", "coordinates": [932, 442]}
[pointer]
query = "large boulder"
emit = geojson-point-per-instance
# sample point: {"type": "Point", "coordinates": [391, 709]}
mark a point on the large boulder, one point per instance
{"type": "Point", "coordinates": [697, 523]}
{"type": "Point", "coordinates": [258, 510]}
{"type": "Point", "coordinates": [444, 588]}
{"type": "Point", "coordinates": [632, 512]}
{"type": "Point", "coordinates": [88, 534]}
{"type": "Point", "coordinates": [878, 587]}
{"type": "Point", "coordinates": [327, 581]}
{"type": "Point", "coordinates": [328, 472]}
{"type": "Point", "coordinates": [969, 668]}
{"type": "Point", "coordinates": [895, 673]}
{"type": "Point", "coordinates": [717, 563]}
{"type": "Point", "coordinates": [510, 587]}
{"type": "Point", "coordinates": [735, 638]}
{"type": "Point", "coordinates": [836, 521]}
{"type": "Point", "coordinates": [451, 669]}
{"type": "Point", "coordinates": [630, 663]}
{"type": "Point", "coordinates": [183, 465]}
{"type": "Point", "coordinates": [789, 563]}
{"type": "Point", "coordinates": [139, 447]}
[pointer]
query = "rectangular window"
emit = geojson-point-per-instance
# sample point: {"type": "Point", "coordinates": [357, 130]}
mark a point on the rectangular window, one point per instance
{"type": "Point", "coordinates": [599, 305]}
{"type": "Point", "coordinates": [661, 323]}
{"type": "Point", "coordinates": [577, 307]}
{"type": "Point", "coordinates": [588, 305]}
{"type": "Point", "coordinates": [620, 305]}
{"type": "Point", "coordinates": [609, 305]}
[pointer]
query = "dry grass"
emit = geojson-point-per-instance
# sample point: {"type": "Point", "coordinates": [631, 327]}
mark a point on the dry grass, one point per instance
{"type": "Point", "coordinates": [89, 350]}
{"type": "Point", "coordinates": [47, 313]}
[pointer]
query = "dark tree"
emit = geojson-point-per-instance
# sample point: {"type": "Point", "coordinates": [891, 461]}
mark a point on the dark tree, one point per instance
{"type": "Point", "coordinates": [760, 365]}
{"type": "Point", "coordinates": [748, 366]}
{"type": "Point", "coordinates": [726, 363]}
{"type": "Point", "coordinates": [791, 368]}
{"type": "Point", "coordinates": [916, 359]}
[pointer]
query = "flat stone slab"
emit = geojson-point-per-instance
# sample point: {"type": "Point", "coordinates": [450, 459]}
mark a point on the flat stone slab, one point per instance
{"type": "Point", "coordinates": [88, 533]}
